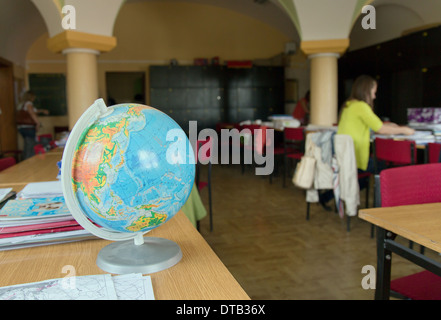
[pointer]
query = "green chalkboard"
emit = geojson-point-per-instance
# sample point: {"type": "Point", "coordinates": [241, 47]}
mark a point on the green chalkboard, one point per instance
{"type": "Point", "coordinates": [50, 91]}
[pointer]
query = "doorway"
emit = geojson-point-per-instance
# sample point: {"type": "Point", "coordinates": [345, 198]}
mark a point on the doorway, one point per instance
{"type": "Point", "coordinates": [125, 87]}
{"type": "Point", "coordinates": [8, 129]}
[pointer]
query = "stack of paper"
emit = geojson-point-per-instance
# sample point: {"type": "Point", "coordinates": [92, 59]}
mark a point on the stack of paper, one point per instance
{"type": "Point", "coordinates": [38, 221]}
{"type": "Point", "coordinates": [420, 137]}
{"type": "Point", "coordinates": [45, 189]}
{"type": "Point", "coordinates": [6, 194]}
{"type": "Point", "coordinates": [95, 287]}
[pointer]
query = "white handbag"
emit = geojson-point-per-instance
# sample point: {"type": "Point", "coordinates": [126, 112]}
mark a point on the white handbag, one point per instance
{"type": "Point", "coordinates": [304, 174]}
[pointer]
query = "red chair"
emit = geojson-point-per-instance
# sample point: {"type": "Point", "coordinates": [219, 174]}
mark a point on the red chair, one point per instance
{"type": "Point", "coordinates": [14, 153]}
{"type": "Point", "coordinates": [46, 141]}
{"type": "Point", "coordinates": [433, 152]}
{"type": "Point", "coordinates": [247, 143]}
{"type": "Point", "coordinates": [42, 137]}
{"type": "Point", "coordinates": [204, 159]}
{"type": "Point", "coordinates": [227, 145]}
{"type": "Point", "coordinates": [263, 142]}
{"type": "Point", "coordinates": [394, 152]}
{"type": "Point", "coordinates": [7, 162]}
{"type": "Point", "coordinates": [39, 149]}
{"type": "Point", "coordinates": [293, 147]}
{"type": "Point", "coordinates": [415, 184]}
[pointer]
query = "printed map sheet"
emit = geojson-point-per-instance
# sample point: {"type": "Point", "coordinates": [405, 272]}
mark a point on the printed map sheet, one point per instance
{"type": "Point", "coordinates": [94, 287]}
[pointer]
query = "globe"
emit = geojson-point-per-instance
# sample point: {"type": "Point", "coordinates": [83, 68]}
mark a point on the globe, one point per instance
{"type": "Point", "coordinates": [126, 170]}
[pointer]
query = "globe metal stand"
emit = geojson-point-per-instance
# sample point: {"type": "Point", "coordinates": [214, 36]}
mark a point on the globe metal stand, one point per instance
{"type": "Point", "coordinates": [144, 255]}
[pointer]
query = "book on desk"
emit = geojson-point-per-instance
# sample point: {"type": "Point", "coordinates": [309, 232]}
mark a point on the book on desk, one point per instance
{"type": "Point", "coordinates": [34, 219]}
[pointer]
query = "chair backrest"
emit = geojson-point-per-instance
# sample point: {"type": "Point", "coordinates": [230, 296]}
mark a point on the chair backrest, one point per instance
{"type": "Point", "coordinates": [402, 152]}
{"type": "Point", "coordinates": [263, 140]}
{"type": "Point", "coordinates": [433, 152]}
{"type": "Point", "coordinates": [203, 151]}
{"type": "Point", "coordinates": [251, 127]}
{"type": "Point", "coordinates": [294, 134]}
{"type": "Point", "coordinates": [42, 137]}
{"type": "Point", "coordinates": [39, 149]}
{"type": "Point", "coordinates": [414, 184]}
{"type": "Point", "coordinates": [7, 162]}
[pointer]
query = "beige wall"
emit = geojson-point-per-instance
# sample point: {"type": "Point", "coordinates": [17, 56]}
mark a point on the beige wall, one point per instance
{"type": "Point", "coordinates": [152, 33]}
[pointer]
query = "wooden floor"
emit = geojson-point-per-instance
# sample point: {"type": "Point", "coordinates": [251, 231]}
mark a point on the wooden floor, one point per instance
{"type": "Point", "coordinates": [262, 236]}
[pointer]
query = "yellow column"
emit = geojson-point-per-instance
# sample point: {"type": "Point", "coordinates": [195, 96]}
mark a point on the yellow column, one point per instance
{"type": "Point", "coordinates": [324, 55]}
{"type": "Point", "coordinates": [324, 89]}
{"type": "Point", "coordinates": [81, 50]}
{"type": "Point", "coordinates": [82, 81]}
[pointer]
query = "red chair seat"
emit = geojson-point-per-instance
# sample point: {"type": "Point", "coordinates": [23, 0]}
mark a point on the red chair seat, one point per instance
{"type": "Point", "coordinates": [434, 150]}
{"type": "Point", "coordinates": [281, 150]}
{"type": "Point", "coordinates": [414, 184]}
{"type": "Point", "coordinates": [7, 162]}
{"type": "Point", "coordinates": [295, 155]}
{"type": "Point", "coordinates": [294, 139]}
{"type": "Point", "coordinates": [202, 185]}
{"type": "Point", "coordinates": [39, 149]}
{"type": "Point", "coordinates": [423, 285]}
{"type": "Point", "coordinates": [362, 175]}
{"type": "Point", "coordinates": [395, 153]}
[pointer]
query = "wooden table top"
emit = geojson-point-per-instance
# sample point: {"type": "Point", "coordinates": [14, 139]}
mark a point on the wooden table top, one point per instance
{"type": "Point", "coordinates": [42, 167]}
{"type": "Point", "coordinates": [419, 223]}
{"type": "Point", "coordinates": [200, 275]}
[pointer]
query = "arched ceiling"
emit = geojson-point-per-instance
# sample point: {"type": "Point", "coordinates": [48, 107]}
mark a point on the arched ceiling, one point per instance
{"type": "Point", "coordinates": [21, 23]}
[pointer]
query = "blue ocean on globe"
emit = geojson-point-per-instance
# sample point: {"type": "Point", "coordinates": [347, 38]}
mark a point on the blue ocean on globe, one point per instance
{"type": "Point", "coordinates": [133, 169]}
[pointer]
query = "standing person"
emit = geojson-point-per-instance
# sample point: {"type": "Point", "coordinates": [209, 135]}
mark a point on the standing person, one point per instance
{"type": "Point", "coordinates": [29, 131]}
{"type": "Point", "coordinates": [358, 118]}
{"type": "Point", "coordinates": [301, 111]}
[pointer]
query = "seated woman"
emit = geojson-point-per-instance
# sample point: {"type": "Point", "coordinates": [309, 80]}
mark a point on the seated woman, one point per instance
{"type": "Point", "coordinates": [358, 118]}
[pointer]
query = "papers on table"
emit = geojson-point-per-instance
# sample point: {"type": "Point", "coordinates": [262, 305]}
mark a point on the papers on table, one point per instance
{"type": "Point", "coordinates": [420, 137]}
{"type": "Point", "coordinates": [34, 208]}
{"type": "Point", "coordinates": [45, 189]}
{"type": "Point", "coordinates": [39, 216]}
{"type": "Point", "coordinates": [4, 193]}
{"type": "Point", "coordinates": [38, 240]}
{"type": "Point", "coordinates": [94, 287]}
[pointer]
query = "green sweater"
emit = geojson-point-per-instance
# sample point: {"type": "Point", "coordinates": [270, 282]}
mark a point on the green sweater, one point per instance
{"type": "Point", "coordinates": [356, 119]}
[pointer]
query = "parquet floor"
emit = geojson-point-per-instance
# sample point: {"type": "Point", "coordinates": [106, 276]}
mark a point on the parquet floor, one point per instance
{"type": "Point", "coordinates": [262, 236]}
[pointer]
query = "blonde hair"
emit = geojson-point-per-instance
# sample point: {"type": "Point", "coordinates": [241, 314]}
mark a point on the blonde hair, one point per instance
{"type": "Point", "coordinates": [28, 96]}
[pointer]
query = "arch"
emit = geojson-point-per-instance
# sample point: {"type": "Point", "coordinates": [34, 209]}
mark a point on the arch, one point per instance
{"type": "Point", "coordinates": [387, 28]}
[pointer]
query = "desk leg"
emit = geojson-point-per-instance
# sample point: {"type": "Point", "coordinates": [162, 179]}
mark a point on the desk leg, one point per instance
{"type": "Point", "coordinates": [384, 262]}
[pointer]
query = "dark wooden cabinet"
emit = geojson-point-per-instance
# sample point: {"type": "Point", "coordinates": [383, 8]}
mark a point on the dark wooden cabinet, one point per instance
{"type": "Point", "coordinates": [212, 94]}
{"type": "Point", "coordinates": [408, 71]}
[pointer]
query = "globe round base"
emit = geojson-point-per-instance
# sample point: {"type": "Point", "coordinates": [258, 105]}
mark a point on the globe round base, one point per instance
{"type": "Point", "coordinates": [155, 254]}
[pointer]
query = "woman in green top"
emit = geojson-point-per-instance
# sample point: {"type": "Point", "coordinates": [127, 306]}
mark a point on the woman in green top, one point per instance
{"type": "Point", "coordinates": [357, 118]}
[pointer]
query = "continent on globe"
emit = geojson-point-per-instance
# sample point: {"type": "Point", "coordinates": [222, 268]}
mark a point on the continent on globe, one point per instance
{"type": "Point", "coordinates": [121, 176]}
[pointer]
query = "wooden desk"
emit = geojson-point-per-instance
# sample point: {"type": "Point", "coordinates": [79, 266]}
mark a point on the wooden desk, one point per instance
{"type": "Point", "coordinates": [418, 223]}
{"type": "Point", "coordinates": [200, 275]}
{"type": "Point", "coordinates": [42, 167]}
